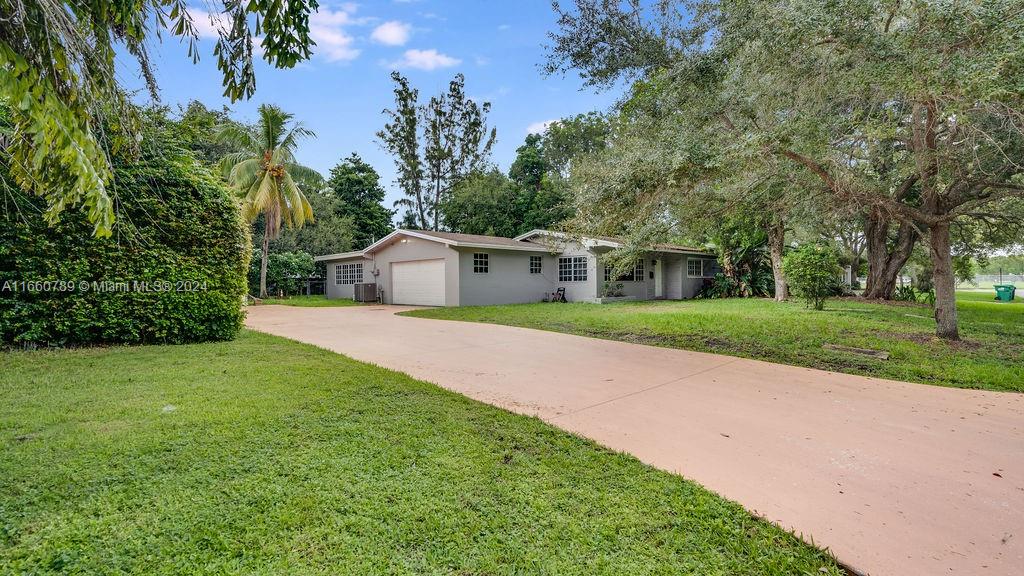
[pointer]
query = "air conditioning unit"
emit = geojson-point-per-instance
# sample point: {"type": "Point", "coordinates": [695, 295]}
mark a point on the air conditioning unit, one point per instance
{"type": "Point", "coordinates": [366, 292]}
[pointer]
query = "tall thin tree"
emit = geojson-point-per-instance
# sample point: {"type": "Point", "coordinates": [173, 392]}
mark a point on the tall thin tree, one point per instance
{"type": "Point", "coordinates": [264, 171]}
{"type": "Point", "coordinates": [435, 144]}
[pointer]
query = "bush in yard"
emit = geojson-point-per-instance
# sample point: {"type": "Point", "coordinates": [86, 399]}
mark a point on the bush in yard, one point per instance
{"type": "Point", "coordinates": [285, 272]}
{"type": "Point", "coordinates": [173, 271]}
{"type": "Point", "coordinates": [813, 273]}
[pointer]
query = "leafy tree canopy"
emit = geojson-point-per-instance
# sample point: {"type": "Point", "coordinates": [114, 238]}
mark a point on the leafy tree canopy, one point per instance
{"type": "Point", "coordinates": [531, 196]}
{"type": "Point", "coordinates": [483, 203]}
{"type": "Point", "coordinates": [356, 186]}
{"type": "Point", "coordinates": [908, 109]}
{"type": "Point", "coordinates": [530, 166]}
{"type": "Point", "coordinates": [574, 137]}
{"type": "Point", "coordinates": [434, 145]}
{"type": "Point", "coordinates": [58, 64]}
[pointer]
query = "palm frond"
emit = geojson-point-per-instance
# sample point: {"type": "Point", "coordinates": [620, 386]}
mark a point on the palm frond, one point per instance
{"type": "Point", "coordinates": [230, 161]}
{"type": "Point", "coordinates": [304, 176]}
{"type": "Point", "coordinates": [299, 211]}
{"type": "Point", "coordinates": [243, 173]}
{"type": "Point", "coordinates": [260, 196]}
{"type": "Point", "coordinates": [272, 125]}
{"type": "Point", "coordinates": [282, 156]}
{"type": "Point", "coordinates": [298, 133]}
{"type": "Point", "coordinates": [240, 137]}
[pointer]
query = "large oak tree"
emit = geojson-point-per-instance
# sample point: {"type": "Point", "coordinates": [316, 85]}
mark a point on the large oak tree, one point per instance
{"type": "Point", "coordinates": [910, 110]}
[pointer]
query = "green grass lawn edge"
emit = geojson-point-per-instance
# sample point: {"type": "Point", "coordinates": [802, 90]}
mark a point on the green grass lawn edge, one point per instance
{"type": "Point", "coordinates": [990, 356]}
{"type": "Point", "coordinates": [268, 456]}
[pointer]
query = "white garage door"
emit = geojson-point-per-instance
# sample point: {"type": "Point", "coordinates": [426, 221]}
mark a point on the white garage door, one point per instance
{"type": "Point", "coordinates": [419, 283]}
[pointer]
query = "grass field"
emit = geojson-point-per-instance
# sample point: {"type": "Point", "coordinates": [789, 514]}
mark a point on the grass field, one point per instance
{"type": "Point", "coordinates": [990, 357]}
{"type": "Point", "coordinates": [265, 456]}
{"type": "Point", "coordinates": [311, 301]}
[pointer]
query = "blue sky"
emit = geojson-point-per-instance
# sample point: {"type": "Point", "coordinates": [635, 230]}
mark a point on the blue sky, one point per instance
{"type": "Point", "coordinates": [342, 90]}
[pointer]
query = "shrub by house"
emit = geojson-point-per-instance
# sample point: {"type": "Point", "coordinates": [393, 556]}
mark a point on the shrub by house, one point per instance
{"type": "Point", "coordinates": [172, 272]}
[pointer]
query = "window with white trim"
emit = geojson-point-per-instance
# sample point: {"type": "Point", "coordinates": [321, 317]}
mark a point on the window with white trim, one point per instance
{"type": "Point", "coordinates": [348, 273]}
{"type": "Point", "coordinates": [572, 269]}
{"type": "Point", "coordinates": [481, 263]}
{"type": "Point", "coordinates": [536, 264]}
{"type": "Point", "coordinates": [634, 275]}
{"type": "Point", "coordinates": [695, 267]}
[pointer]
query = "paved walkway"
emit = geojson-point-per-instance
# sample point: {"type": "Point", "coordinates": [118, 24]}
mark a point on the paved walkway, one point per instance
{"type": "Point", "coordinates": [895, 478]}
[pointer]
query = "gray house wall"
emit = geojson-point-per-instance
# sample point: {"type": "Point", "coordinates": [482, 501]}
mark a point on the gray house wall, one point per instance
{"type": "Point", "coordinates": [508, 280]}
{"type": "Point", "coordinates": [335, 290]}
{"type": "Point", "coordinates": [585, 291]}
{"type": "Point", "coordinates": [691, 286]}
{"type": "Point", "coordinates": [635, 288]}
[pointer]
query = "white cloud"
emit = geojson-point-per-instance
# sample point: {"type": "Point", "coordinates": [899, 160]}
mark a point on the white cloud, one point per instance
{"type": "Point", "coordinates": [540, 127]}
{"type": "Point", "coordinates": [482, 60]}
{"type": "Point", "coordinates": [504, 26]}
{"type": "Point", "coordinates": [392, 33]}
{"type": "Point", "coordinates": [207, 24]}
{"type": "Point", "coordinates": [425, 60]}
{"type": "Point", "coordinates": [327, 28]}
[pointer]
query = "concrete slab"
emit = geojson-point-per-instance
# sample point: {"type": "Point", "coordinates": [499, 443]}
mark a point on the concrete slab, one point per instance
{"type": "Point", "coordinates": [894, 478]}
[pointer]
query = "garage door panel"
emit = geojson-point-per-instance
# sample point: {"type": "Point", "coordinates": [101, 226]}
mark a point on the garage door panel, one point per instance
{"type": "Point", "coordinates": [418, 283]}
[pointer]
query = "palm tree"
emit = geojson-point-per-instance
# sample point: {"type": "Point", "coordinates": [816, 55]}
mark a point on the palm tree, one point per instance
{"type": "Point", "coordinates": [263, 170]}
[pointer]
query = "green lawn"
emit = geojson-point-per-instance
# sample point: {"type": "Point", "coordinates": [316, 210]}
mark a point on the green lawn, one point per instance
{"type": "Point", "coordinates": [991, 355]}
{"type": "Point", "coordinates": [311, 301]}
{"type": "Point", "coordinates": [265, 456]}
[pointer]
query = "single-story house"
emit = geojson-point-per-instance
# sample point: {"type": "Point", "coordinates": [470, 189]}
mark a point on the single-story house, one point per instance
{"type": "Point", "coordinates": [427, 268]}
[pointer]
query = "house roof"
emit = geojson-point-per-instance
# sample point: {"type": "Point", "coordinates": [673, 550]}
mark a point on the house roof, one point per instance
{"type": "Point", "coordinates": [449, 238]}
{"type": "Point", "coordinates": [341, 256]}
{"type": "Point", "coordinates": [613, 242]}
{"type": "Point", "coordinates": [478, 239]}
{"type": "Point", "coordinates": [521, 242]}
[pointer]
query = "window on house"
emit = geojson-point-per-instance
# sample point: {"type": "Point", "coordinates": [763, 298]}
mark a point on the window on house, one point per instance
{"type": "Point", "coordinates": [634, 275]}
{"type": "Point", "coordinates": [535, 264]}
{"type": "Point", "coordinates": [348, 273]}
{"type": "Point", "coordinates": [695, 268]}
{"type": "Point", "coordinates": [572, 269]}
{"type": "Point", "coordinates": [481, 263]}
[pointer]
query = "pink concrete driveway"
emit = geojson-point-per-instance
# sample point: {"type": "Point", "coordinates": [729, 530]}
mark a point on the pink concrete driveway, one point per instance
{"type": "Point", "coordinates": [895, 478]}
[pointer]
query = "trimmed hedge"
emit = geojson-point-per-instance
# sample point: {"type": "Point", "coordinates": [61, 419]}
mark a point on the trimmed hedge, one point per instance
{"type": "Point", "coordinates": [174, 268]}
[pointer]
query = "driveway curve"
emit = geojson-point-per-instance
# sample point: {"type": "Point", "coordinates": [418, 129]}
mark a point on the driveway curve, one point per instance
{"type": "Point", "coordinates": [895, 478]}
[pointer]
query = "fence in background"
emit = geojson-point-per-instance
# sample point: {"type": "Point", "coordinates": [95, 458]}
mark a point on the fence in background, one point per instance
{"type": "Point", "coordinates": [989, 280]}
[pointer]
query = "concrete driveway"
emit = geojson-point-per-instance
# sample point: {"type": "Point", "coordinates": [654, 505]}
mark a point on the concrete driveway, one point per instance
{"type": "Point", "coordinates": [894, 478]}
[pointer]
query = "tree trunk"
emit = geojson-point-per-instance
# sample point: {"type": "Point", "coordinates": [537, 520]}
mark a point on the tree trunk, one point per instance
{"type": "Point", "coordinates": [885, 263]}
{"type": "Point", "coordinates": [263, 257]}
{"type": "Point", "coordinates": [776, 241]}
{"type": "Point", "coordinates": [944, 281]}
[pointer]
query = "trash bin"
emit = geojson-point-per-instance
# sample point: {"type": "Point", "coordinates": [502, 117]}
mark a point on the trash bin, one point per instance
{"type": "Point", "coordinates": [1005, 292]}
